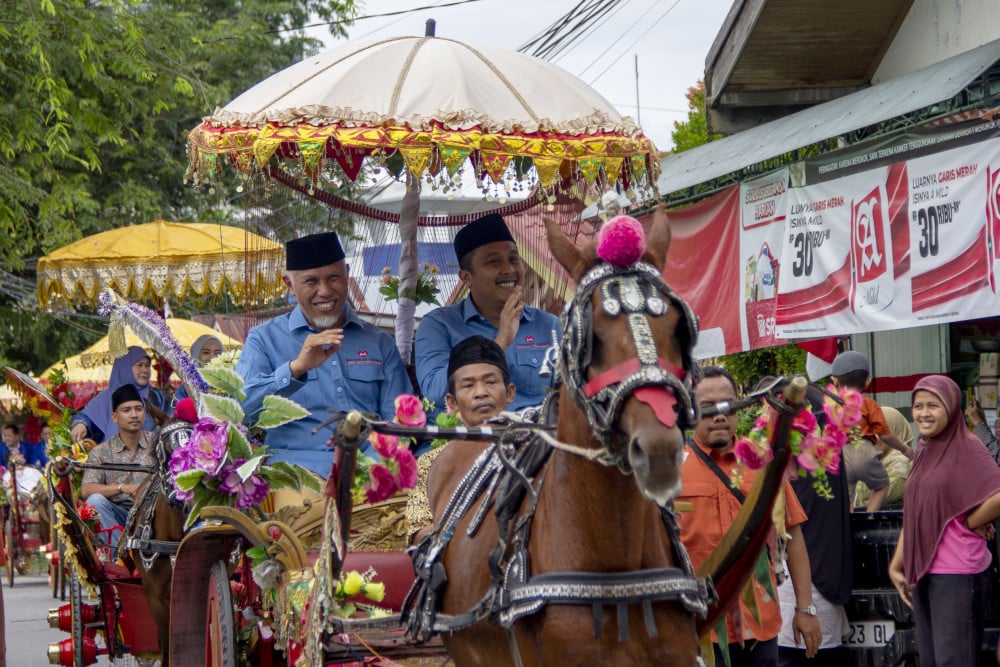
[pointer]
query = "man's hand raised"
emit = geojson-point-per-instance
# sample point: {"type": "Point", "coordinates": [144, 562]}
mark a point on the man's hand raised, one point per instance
{"type": "Point", "coordinates": [316, 349]}
{"type": "Point", "coordinates": [510, 319]}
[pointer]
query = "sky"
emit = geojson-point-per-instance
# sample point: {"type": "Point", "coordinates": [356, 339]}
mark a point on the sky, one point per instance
{"type": "Point", "coordinates": [670, 37]}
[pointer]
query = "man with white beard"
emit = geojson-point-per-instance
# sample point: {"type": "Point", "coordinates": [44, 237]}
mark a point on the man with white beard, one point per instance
{"type": "Point", "coordinates": [320, 355]}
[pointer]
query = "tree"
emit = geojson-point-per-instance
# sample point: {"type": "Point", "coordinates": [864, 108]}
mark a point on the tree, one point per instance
{"type": "Point", "coordinates": [694, 131]}
{"type": "Point", "coordinates": [97, 99]}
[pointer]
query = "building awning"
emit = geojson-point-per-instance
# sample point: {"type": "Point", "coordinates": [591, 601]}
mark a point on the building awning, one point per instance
{"type": "Point", "coordinates": [923, 88]}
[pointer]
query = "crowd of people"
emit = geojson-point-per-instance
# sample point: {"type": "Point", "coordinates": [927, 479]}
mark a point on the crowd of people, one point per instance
{"type": "Point", "coordinates": [483, 355]}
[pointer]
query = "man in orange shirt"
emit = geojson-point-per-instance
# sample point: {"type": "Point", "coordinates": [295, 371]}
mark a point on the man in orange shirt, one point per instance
{"type": "Point", "coordinates": [715, 505]}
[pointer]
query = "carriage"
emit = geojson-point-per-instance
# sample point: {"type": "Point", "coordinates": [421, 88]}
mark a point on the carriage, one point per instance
{"type": "Point", "coordinates": [276, 588]}
{"type": "Point", "coordinates": [25, 530]}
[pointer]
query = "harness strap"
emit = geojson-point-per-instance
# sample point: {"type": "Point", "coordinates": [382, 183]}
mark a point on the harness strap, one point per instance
{"type": "Point", "coordinates": [151, 546]}
{"type": "Point", "coordinates": [616, 374]}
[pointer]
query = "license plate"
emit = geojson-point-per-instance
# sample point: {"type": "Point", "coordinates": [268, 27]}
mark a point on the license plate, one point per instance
{"type": "Point", "coordinates": [870, 634]}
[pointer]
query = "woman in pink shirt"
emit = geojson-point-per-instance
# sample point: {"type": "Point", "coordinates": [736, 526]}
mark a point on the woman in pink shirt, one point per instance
{"type": "Point", "coordinates": [952, 497]}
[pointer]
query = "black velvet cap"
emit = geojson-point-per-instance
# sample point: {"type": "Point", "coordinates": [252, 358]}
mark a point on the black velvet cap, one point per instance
{"type": "Point", "coordinates": [123, 394]}
{"type": "Point", "coordinates": [478, 350]}
{"type": "Point", "coordinates": [479, 232]}
{"type": "Point", "coordinates": [312, 252]}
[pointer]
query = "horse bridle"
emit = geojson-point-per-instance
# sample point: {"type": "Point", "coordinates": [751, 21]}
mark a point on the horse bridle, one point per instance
{"type": "Point", "coordinates": [636, 292]}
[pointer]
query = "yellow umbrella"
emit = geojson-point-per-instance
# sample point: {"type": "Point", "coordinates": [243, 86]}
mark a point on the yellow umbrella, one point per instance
{"type": "Point", "coordinates": [160, 259]}
{"type": "Point", "coordinates": [94, 363]}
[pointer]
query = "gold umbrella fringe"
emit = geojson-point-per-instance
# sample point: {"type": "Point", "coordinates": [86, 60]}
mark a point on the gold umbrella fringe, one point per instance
{"type": "Point", "coordinates": [604, 160]}
{"type": "Point", "coordinates": [82, 284]}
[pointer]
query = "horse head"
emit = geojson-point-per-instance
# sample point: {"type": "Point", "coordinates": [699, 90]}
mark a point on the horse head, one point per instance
{"type": "Point", "coordinates": [170, 436]}
{"type": "Point", "coordinates": [625, 355]}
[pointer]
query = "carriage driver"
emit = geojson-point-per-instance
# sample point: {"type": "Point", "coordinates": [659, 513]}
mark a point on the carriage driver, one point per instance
{"type": "Point", "coordinates": [112, 492]}
{"type": "Point", "coordinates": [320, 355]}
{"type": "Point", "coordinates": [491, 267]}
{"type": "Point", "coordinates": [479, 389]}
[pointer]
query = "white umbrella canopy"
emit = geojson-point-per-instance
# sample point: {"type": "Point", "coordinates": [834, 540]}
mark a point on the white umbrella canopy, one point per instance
{"type": "Point", "coordinates": [520, 123]}
{"type": "Point", "coordinates": [419, 82]}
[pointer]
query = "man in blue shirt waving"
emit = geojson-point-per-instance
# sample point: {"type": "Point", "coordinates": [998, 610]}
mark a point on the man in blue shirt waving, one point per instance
{"type": "Point", "coordinates": [320, 355]}
{"type": "Point", "coordinates": [491, 268]}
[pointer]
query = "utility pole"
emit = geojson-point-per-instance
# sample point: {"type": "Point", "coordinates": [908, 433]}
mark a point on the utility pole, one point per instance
{"type": "Point", "coordinates": [638, 113]}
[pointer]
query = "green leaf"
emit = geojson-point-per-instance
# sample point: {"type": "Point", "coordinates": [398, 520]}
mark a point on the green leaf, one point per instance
{"type": "Point", "coordinates": [225, 380]}
{"type": "Point", "coordinates": [188, 479]}
{"type": "Point", "coordinates": [222, 408]}
{"type": "Point", "coordinates": [279, 479]}
{"type": "Point", "coordinates": [247, 469]}
{"type": "Point", "coordinates": [279, 410]}
{"type": "Point", "coordinates": [239, 446]}
{"type": "Point", "coordinates": [304, 478]}
{"type": "Point", "coordinates": [257, 554]}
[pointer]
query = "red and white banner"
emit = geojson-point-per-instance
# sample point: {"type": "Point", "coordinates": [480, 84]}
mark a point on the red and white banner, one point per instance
{"type": "Point", "coordinates": [763, 209]}
{"type": "Point", "coordinates": [901, 246]}
{"type": "Point", "coordinates": [910, 244]}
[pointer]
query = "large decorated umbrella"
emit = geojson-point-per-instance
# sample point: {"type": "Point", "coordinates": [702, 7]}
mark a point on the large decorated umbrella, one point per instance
{"type": "Point", "coordinates": [94, 363]}
{"type": "Point", "coordinates": [433, 112]}
{"type": "Point", "coordinates": [163, 259]}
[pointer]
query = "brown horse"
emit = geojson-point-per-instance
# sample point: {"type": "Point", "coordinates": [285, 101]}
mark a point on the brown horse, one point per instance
{"type": "Point", "coordinates": [156, 531]}
{"type": "Point", "coordinates": [592, 518]}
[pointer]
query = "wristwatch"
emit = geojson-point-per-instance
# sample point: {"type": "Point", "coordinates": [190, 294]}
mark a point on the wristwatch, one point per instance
{"type": "Point", "coordinates": [120, 489]}
{"type": "Point", "coordinates": [809, 611]}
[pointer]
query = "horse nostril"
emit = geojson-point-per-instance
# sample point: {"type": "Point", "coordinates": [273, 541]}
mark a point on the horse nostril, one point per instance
{"type": "Point", "coordinates": [637, 457]}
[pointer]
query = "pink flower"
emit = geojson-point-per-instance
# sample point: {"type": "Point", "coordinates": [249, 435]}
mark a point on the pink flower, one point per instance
{"type": "Point", "coordinates": [410, 411]}
{"type": "Point", "coordinates": [753, 455]}
{"type": "Point", "coordinates": [846, 416]}
{"type": "Point", "coordinates": [807, 459]}
{"type": "Point", "coordinates": [381, 484]}
{"type": "Point", "coordinates": [385, 445]}
{"type": "Point", "coordinates": [804, 422]}
{"type": "Point", "coordinates": [407, 476]}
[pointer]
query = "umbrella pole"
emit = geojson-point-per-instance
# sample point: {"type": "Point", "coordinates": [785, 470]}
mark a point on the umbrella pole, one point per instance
{"type": "Point", "coordinates": [408, 259]}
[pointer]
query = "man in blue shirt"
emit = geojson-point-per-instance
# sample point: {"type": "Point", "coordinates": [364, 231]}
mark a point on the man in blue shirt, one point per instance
{"type": "Point", "coordinates": [320, 355]}
{"type": "Point", "coordinates": [27, 453]}
{"type": "Point", "coordinates": [491, 268]}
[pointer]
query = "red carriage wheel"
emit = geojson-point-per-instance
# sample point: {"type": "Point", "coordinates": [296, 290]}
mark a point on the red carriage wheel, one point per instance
{"type": "Point", "coordinates": [220, 634]}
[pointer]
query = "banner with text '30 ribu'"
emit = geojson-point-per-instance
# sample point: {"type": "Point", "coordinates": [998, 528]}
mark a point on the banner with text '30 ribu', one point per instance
{"type": "Point", "coordinates": [900, 246]}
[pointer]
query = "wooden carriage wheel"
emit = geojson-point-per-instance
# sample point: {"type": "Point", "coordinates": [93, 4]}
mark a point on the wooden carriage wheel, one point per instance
{"type": "Point", "coordinates": [220, 632]}
{"type": "Point", "coordinates": [76, 614]}
{"type": "Point", "coordinates": [10, 547]}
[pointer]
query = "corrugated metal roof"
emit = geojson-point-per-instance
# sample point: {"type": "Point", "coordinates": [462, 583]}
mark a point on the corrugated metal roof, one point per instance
{"type": "Point", "coordinates": [881, 102]}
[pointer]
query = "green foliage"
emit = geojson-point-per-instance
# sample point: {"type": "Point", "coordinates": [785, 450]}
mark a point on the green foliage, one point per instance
{"type": "Point", "coordinates": [693, 131]}
{"type": "Point", "coordinates": [747, 368]}
{"type": "Point", "coordinates": [97, 102]}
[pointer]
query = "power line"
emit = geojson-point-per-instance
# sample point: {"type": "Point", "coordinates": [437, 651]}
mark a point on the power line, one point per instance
{"type": "Point", "coordinates": [645, 32]}
{"type": "Point", "coordinates": [619, 39]}
{"type": "Point", "coordinates": [369, 16]}
{"type": "Point", "coordinates": [590, 31]}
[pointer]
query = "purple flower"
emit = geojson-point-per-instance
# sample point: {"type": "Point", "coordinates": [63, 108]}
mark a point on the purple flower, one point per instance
{"type": "Point", "coordinates": [208, 444]}
{"type": "Point", "coordinates": [250, 493]}
{"type": "Point", "coordinates": [180, 461]}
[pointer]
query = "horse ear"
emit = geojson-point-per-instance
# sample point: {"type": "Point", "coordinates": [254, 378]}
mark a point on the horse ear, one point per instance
{"type": "Point", "coordinates": [564, 250]}
{"type": "Point", "coordinates": [658, 234]}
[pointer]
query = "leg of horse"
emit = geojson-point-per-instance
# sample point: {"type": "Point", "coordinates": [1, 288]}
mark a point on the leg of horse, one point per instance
{"type": "Point", "coordinates": [167, 525]}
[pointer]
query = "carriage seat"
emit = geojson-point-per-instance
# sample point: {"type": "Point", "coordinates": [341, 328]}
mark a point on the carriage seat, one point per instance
{"type": "Point", "coordinates": [393, 568]}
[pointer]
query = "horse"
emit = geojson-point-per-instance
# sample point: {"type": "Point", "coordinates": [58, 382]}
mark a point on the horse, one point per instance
{"type": "Point", "coordinates": [626, 372]}
{"type": "Point", "coordinates": [155, 529]}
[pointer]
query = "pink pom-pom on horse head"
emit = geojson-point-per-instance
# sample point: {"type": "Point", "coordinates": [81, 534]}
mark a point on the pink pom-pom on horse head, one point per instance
{"type": "Point", "coordinates": [621, 241]}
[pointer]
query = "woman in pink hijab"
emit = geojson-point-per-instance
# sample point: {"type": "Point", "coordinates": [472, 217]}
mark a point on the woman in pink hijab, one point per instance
{"type": "Point", "coordinates": [952, 498]}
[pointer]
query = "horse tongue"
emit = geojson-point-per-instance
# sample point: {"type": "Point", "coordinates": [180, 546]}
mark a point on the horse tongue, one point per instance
{"type": "Point", "coordinates": [663, 402]}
